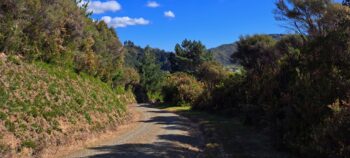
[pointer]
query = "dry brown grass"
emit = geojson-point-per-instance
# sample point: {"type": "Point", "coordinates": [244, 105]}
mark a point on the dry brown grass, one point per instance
{"type": "Point", "coordinates": [44, 106]}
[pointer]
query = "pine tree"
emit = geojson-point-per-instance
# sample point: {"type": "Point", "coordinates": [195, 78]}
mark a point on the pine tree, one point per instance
{"type": "Point", "coordinates": [151, 74]}
{"type": "Point", "coordinates": [189, 55]}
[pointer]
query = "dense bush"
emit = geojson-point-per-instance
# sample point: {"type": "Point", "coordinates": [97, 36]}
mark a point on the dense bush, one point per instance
{"type": "Point", "coordinates": [128, 78]}
{"type": "Point", "coordinates": [152, 77]}
{"type": "Point", "coordinates": [331, 138]}
{"type": "Point", "coordinates": [182, 89]}
{"type": "Point", "coordinates": [224, 97]}
{"type": "Point", "coordinates": [134, 55]}
{"type": "Point", "coordinates": [60, 32]}
{"type": "Point", "coordinates": [299, 84]}
{"type": "Point", "coordinates": [212, 74]}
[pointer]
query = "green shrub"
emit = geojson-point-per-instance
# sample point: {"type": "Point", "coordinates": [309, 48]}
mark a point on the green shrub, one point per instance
{"type": "Point", "coordinates": [3, 116]}
{"type": "Point", "coordinates": [88, 118]}
{"type": "Point", "coordinates": [212, 74]}
{"type": "Point", "coordinates": [10, 126]}
{"type": "Point", "coordinates": [182, 89]}
{"type": "Point", "coordinates": [225, 97]}
{"type": "Point", "coordinates": [155, 96]}
{"type": "Point", "coordinates": [332, 137]}
{"type": "Point", "coordinates": [28, 144]}
{"type": "Point", "coordinates": [127, 78]}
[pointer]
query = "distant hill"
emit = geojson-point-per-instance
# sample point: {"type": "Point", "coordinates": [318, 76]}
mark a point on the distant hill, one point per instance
{"type": "Point", "coordinates": [223, 53]}
{"type": "Point", "coordinates": [134, 55]}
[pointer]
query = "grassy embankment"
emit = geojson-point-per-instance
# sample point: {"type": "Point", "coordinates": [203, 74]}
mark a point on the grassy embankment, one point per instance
{"type": "Point", "coordinates": [229, 137]}
{"type": "Point", "coordinates": [46, 106]}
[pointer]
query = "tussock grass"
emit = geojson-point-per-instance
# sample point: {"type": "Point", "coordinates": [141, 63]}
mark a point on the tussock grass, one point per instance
{"type": "Point", "coordinates": [43, 105]}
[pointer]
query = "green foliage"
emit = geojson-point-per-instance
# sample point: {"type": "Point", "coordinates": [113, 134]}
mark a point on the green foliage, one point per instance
{"type": "Point", "coordinates": [128, 77]}
{"type": "Point", "coordinates": [55, 59]}
{"type": "Point", "coordinates": [28, 144]}
{"type": "Point", "coordinates": [310, 18]}
{"type": "Point", "coordinates": [10, 126]}
{"type": "Point", "coordinates": [182, 89]}
{"type": "Point", "coordinates": [60, 33]}
{"type": "Point", "coordinates": [222, 54]}
{"type": "Point", "coordinates": [212, 74]}
{"type": "Point", "coordinates": [254, 52]}
{"type": "Point", "coordinates": [297, 85]}
{"type": "Point", "coordinates": [51, 96]}
{"type": "Point", "coordinates": [331, 137]}
{"type": "Point", "coordinates": [152, 76]}
{"type": "Point", "coordinates": [188, 56]}
{"type": "Point", "coordinates": [225, 97]}
{"type": "Point", "coordinates": [3, 116]}
{"type": "Point", "coordinates": [135, 54]}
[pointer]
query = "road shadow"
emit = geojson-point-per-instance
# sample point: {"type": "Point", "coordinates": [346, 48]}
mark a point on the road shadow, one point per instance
{"type": "Point", "coordinates": [169, 145]}
{"type": "Point", "coordinates": [182, 139]}
{"type": "Point", "coordinates": [158, 150]}
{"type": "Point", "coordinates": [168, 120]}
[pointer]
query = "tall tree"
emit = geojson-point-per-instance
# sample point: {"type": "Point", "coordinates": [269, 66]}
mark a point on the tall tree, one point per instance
{"type": "Point", "coordinates": [189, 55]}
{"type": "Point", "coordinates": [310, 17]}
{"type": "Point", "coordinates": [253, 52]}
{"type": "Point", "coordinates": [151, 74]}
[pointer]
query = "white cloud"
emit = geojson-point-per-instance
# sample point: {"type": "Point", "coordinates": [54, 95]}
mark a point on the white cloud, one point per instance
{"type": "Point", "coordinates": [98, 7]}
{"type": "Point", "coordinates": [124, 21]}
{"type": "Point", "coordinates": [169, 14]}
{"type": "Point", "coordinates": [153, 4]}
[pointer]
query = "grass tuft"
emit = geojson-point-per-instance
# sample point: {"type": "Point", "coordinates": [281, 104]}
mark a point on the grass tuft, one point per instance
{"type": "Point", "coordinates": [38, 99]}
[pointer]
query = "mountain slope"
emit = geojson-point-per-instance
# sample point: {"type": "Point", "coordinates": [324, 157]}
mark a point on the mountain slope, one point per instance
{"type": "Point", "coordinates": [223, 53]}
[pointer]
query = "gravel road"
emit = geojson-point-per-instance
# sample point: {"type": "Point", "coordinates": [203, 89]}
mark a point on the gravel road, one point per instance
{"type": "Point", "coordinates": [153, 133]}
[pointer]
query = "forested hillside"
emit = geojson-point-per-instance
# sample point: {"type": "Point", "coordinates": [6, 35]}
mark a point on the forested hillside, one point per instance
{"type": "Point", "coordinates": [134, 55]}
{"type": "Point", "coordinates": [223, 53]}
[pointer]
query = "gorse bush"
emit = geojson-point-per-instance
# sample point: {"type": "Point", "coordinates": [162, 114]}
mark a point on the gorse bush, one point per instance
{"type": "Point", "coordinates": [297, 85]}
{"type": "Point", "coordinates": [212, 74]}
{"type": "Point", "coordinates": [128, 77]}
{"type": "Point", "coordinates": [182, 89]}
{"type": "Point", "coordinates": [225, 97]}
{"type": "Point", "coordinates": [331, 137]}
{"type": "Point", "coordinates": [59, 32]}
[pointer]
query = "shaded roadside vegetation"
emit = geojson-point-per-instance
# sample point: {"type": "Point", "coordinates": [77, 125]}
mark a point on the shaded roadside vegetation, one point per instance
{"type": "Point", "coordinates": [297, 86]}
{"type": "Point", "coordinates": [228, 136]}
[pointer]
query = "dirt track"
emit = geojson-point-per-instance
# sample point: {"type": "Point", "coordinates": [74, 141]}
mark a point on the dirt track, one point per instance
{"type": "Point", "coordinates": [153, 133]}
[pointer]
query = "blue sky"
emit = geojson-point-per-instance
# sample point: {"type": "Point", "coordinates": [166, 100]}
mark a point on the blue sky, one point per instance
{"type": "Point", "coordinates": [214, 22]}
